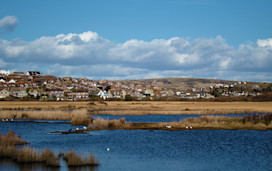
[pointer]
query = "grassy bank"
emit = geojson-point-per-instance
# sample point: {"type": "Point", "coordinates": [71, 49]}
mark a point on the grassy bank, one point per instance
{"type": "Point", "coordinates": [250, 122]}
{"type": "Point", "coordinates": [135, 108]}
{"type": "Point", "coordinates": [44, 114]}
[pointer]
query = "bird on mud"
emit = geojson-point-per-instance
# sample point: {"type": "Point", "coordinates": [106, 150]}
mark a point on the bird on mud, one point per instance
{"type": "Point", "coordinates": [84, 127]}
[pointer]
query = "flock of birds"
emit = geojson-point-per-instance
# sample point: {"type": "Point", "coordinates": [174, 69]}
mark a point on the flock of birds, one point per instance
{"type": "Point", "coordinates": [7, 120]}
{"type": "Point", "coordinates": [187, 127]}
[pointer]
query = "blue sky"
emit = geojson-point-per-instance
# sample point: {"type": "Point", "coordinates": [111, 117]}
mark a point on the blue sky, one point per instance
{"type": "Point", "coordinates": [135, 39]}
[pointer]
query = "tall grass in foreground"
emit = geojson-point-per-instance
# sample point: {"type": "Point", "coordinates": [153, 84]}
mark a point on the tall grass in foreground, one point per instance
{"type": "Point", "coordinates": [101, 123]}
{"type": "Point", "coordinates": [74, 159]}
{"type": "Point", "coordinates": [11, 139]}
{"type": "Point", "coordinates": [28, 154]}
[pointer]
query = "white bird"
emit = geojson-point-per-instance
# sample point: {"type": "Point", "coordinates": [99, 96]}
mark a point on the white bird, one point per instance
{"type": "Point", "coordinates": [7, 120]}
{"type": "Point", "coordinates": [77, 129]}
{"type": "Point", "coordinates": [108, 149]}
{"type": "Point", "coordinates": [191, 127]}
{"type": "Point", "coordinates": [168, 126]}
{"type": "Point", "coordinates": [186, 127]}
{"type": "Point", "coordinates": [3, 120]}
{"type": "Point", "coordinates": [11, 120]}
{"type": "Point", "coordinates": [84, 127]}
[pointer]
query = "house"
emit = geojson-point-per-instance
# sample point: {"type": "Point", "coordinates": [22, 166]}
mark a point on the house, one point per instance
{"type": "Point", "coordinates": [18, 92]}
{"type": "Point", "coordinates": [103, 94]}
{"type": "Point", "coordinates": [36, 92]}
{"type": "Point", "coordinates": [33, 73]}
{"type": "Point", "coordinates": [3, 93]}
{"type": "Point", "coordinates": [79, 95]}
{"type": "Point", "coordinates": [4, 72]}
{"type": "Point", "coordinates": [56, 93]}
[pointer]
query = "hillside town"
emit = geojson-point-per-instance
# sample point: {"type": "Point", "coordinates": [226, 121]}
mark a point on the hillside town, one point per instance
{"type": "Point", "coordinates": [34, 86]}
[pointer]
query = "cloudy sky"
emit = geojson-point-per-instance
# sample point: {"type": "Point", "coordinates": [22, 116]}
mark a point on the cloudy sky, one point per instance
{"type": "Point", "coordinates": [138, 39]}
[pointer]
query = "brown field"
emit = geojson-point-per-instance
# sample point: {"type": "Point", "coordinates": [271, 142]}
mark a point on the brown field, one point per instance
{"type": "Point", "coordinates": [41, 110]}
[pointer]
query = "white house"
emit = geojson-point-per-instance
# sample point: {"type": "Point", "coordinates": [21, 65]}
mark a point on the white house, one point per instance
{"type": "Point", "coordinates": [103, 94]}
{"type": "Point", "coordinates": [4, 93]}
{"type": "Point", "coordinates": [4, 72]}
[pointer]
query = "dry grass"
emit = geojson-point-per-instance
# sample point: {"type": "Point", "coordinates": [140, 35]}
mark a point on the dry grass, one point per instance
{"type": "Point", "coordinates": [74, 159]}
{"type": "Point", "coordinates": [29, 155]}
{"type": "Point", "coordinates": [49, 158]}
{"type": "Point", "coordinates": [52, 110]}
{"type": "Point", "coordinates": [100, 123]}
{"type": "Point", "coordinates": [180, 108]}
{"type": "Point", "coordinates": [81, 120]}
{"type": "Point", "coordinates": [43, 115]}
{"type": "Point", "coordinates": [262, 122]}
{"type": "Point", "coordinates": [11, 139]}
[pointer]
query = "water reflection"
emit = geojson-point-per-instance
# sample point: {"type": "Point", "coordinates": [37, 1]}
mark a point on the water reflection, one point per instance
{"type": "Point", "coordinates": [9, 164]}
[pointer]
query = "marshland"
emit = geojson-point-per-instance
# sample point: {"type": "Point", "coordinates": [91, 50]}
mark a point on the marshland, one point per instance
{"type": "Point", "coordinates": [140, 135]}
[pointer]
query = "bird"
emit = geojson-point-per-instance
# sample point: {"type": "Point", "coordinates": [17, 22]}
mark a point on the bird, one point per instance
{"type": "Point", "coordinates": [7, 120]}
{"type": "Point", "coordinates": [186, 127]}
{"type": "Point", "coordinates": [11, 120]}
{"type": "Point", "coordinates": [191, 127]}
{"type": "Point", "coordinates": [108, 149]}
{"type": "Point", "coordinates": [77, 129]}
{"type": "Point", "coordinates": [168, 126]}
{"type": "Point", "coordinates": [84, 127]}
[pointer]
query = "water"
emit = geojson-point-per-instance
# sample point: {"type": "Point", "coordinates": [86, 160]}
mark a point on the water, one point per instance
{"type": "Point", "coordinates": [153, 150]}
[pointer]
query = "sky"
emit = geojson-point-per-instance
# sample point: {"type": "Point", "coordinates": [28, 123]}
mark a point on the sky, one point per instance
{"type": "Point", "coordinates": [138, 39]}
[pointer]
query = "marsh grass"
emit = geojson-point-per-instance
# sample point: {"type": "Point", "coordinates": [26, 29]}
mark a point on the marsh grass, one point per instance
{"type": "Point", "coordinates": [49, 158]}
{"type": "Point", "coordinates": [81, 120]}
{"type": "Point", "coordinates": [11, 139]}
{"type": "Point", "coordinates": [223, 122]}
{"type": "Point", "coordinates": [101, 123]}
{"type": "Point", "coordinates": [43, 115]}
{"type": "Point", "coordinates": [141, 107]}
{"type": "Point", "coordinates": [73, 159]}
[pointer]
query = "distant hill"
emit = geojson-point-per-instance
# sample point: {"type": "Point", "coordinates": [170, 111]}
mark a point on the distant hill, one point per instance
{"type": "Point", "coordinates": [179, 83]}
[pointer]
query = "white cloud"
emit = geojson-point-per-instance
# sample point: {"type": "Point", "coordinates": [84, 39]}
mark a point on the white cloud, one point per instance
{"type": "Point", "coordinates": [89, 55]}
{"type": "Point", "coordinates": [8, 23]}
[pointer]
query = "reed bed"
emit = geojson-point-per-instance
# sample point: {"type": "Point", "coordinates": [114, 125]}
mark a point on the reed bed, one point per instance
{"type": "Point", "coordinates": [100, 123]}
{"type": "Point", "coordinates": [144, 107]}
{"type": "Point", "coordinates": [11, 139]}
{"type": "Point", "coordinates": [29, 155]}
{"type": "Point", "coordinates": [73, 159]}
{"type": "Point", "coordinates": [180, 108]}
{"type": "Point", "coordinates": [221, 122]}
{"type": "Point", "coordinates": [81, 120]}
{"type": "Point", "coordinates": [43, 115]}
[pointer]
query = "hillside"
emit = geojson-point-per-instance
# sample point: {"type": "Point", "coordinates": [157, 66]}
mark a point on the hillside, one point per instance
{"type": "Point", "coordinates": [179, 83]}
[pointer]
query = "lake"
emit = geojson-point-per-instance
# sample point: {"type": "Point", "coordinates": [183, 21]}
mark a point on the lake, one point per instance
{"type": "Point", "coordinates": [152, 150]}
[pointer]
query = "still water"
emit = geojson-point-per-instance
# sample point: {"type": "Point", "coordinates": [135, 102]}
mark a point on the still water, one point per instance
{"type": "Point", "coordinates": [153, 150]}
